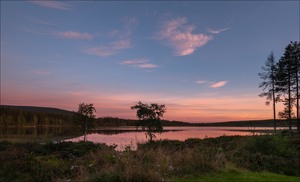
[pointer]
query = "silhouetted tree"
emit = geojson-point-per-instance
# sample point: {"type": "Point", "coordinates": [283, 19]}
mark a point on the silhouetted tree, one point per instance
{"type": "Point", "coordinates": [84, 115]}
{"type": "Point", "coordinates": [268, 84]}
{"type": "Point", "coordinates": [287, 81]}
{"type": "Point", "coordinates": [293, 50]}
{"type": "Point", "coordinates": [150, 117]}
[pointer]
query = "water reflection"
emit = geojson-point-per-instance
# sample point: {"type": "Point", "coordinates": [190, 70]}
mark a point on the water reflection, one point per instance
{"type": "Point", "coordinates": [38, 134]}
{"type": "Point", "coordinates": [129, 136]}
{"type": "Point", "coordinates": [121, 136]}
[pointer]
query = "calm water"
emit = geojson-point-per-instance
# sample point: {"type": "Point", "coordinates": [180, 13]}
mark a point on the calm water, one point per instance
{"type": "Point", "coordinates": [121, 136]}
{"type": "Point", "coordinates": [125, 136]}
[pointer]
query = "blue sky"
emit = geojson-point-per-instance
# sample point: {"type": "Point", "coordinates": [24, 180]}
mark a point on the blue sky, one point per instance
{"type": "Point", "coordinates": [201, 59]}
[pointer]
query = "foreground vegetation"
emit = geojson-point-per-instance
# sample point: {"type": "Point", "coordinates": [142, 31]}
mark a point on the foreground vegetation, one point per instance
{"type": "Point", "coordinates": [260, 158]}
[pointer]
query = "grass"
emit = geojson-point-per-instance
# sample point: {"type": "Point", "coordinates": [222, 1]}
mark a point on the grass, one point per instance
{"type": "Point", "coordinates": [244, 176]}
{"type": "Point", "coordinates": [232, 158]}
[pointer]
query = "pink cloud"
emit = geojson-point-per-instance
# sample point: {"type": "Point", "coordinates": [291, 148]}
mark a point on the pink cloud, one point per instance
{"type": "Point", "coordinates": [139, 63]}
{"type": "Point", "coordinates": [218, 84]}
{"type": "Point", "coordinates": [102, 51]}
{"type": "Point", "coordinates": [74, 35]}
{"type": "Point", "coordinates": [217, 31]}
{"type": "Point", "coordinates": [180, 36]}
{"type": "Point", "coordinates": [122, 44]}
{"type": "Point", "coordinates": [110, 49]}
{"type": "Point", "coordinates": [53, 4]}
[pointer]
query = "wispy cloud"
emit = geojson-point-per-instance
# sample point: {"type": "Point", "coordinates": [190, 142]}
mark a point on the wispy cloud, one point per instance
{"type": "Point", "coordinates": [75, 93]}
{"type": "Point", "coordinates": [218, 84]}
{"type": "Point", "coordinates": [212, 84]}
{"type": "Point", "coordinates": [201, 81]}
{"type": "Point", "coordinates": [140, 63]}
{"type": "Point", "coordinates": [121, 40]}
{"type": "Point", "coordinates": [146, 66]}
{"type": "Point", "coordinates": [41, 72]}
{"type": "Point", "coordinates": [217, 31]}
{"type": "Point", "coordinates": [53, 4]}
{"type": "Point", "coordinates": [42, 22]}
{"type": "Point", "coordinates": [129, 24]}
{"type": "Point", "coordinates": [134, 61]}
{"type": "Point", "coordinates": [37, 32]}
{"type": "Point", "coordinates": [121, 44]}
{"type": "Point", "coordinates": [110, 49]}
{"type": "Point", "coordinates": [74, 35]}
{"type": "Point", "coordinates": [179, 35]}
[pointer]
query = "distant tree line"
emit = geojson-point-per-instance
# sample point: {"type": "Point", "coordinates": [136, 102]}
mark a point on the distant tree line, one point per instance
{"type": "Point", "coordinates": [23, 116]}
{"type": "Point", "coordinates": [281, 83]}
{"type": "Point", "coordinates": [10, 116]}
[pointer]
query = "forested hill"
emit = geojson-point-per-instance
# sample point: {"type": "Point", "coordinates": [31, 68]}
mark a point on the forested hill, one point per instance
{"type": "Point", "coordinates": [34, 116]}
{"type": "Point", "coordinates": [49, 110]}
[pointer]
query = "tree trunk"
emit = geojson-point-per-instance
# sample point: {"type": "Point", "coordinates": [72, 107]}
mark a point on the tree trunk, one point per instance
{"type": "Point", "coordinates": [85, 129]}
{"type": "Point", "coordinates": [297, 97]}
{"type": "Point", "coordinates": [274, 101]}
{"type": "Point", "coordinates": [289, 100]}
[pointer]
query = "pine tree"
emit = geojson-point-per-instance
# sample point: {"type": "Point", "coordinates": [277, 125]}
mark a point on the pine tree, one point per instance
{"type": "Point", "coordinates": [268, 84]}
{"type": "Point", "coordinates": [287, 80]}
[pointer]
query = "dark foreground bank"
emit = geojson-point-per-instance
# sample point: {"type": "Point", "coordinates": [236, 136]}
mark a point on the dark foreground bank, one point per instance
{"type": "Point", "coordinates": [258, 158]}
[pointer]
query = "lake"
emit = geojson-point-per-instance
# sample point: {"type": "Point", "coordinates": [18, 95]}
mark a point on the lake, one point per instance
{"type": "Point", "coordinates": [129, 136]}
{"type": "Point", "coordinates": [122, 136]}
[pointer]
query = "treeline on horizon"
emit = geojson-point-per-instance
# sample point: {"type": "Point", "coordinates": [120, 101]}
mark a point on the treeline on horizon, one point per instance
{"type": "Point", "coordinates": [28, 116]}
{"type": "Point", "coordinates": [43, 116]}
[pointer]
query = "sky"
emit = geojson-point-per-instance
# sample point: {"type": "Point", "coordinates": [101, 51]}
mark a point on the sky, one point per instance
{"type": "Point", "coordinates": [199, 58]}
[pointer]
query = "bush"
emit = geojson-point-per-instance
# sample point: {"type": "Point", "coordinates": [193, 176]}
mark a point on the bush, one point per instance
{"type": "Point", "coordinates": [271, 153]}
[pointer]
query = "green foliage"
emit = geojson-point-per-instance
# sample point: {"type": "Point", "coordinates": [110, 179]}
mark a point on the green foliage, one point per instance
{"type": "Point", "coordinates": [80, 120]}
{"type": "Point", "coordinates": [150, 117]}
{"type": "Point", "coordinates": [48, 162]}
{"type": "Point", "coordinates": [237, 175]}
{"type": "Point", "coordinates": [212, 159]}
{"type": "Point", "coordinates": [272, 153]}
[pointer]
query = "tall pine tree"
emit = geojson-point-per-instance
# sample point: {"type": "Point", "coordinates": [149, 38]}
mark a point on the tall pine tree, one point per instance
{"type": "Point", "coordinates": [268, 84]}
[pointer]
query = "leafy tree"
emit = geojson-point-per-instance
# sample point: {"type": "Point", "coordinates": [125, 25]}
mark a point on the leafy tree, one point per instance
{"type": "Point", "coordinates": [84, 115]}
{"type": "Point", "coordinates": [150, 117]}
{"type": "Point", "coordinates": [268, 84]}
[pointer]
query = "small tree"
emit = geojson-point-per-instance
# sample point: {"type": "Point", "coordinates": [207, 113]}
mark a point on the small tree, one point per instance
{"type": "Point", "coordinates": [149, 117]}
{"type": "Point", "coordinates": [84, 115]}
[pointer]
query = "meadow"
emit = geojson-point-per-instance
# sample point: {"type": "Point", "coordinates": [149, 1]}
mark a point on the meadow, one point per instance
{"type": "Point", "coordinates": [226, 158]}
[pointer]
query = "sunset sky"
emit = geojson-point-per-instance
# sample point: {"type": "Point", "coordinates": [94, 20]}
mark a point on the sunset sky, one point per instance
{"type": "Point", "coordinates": [201, 59]}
